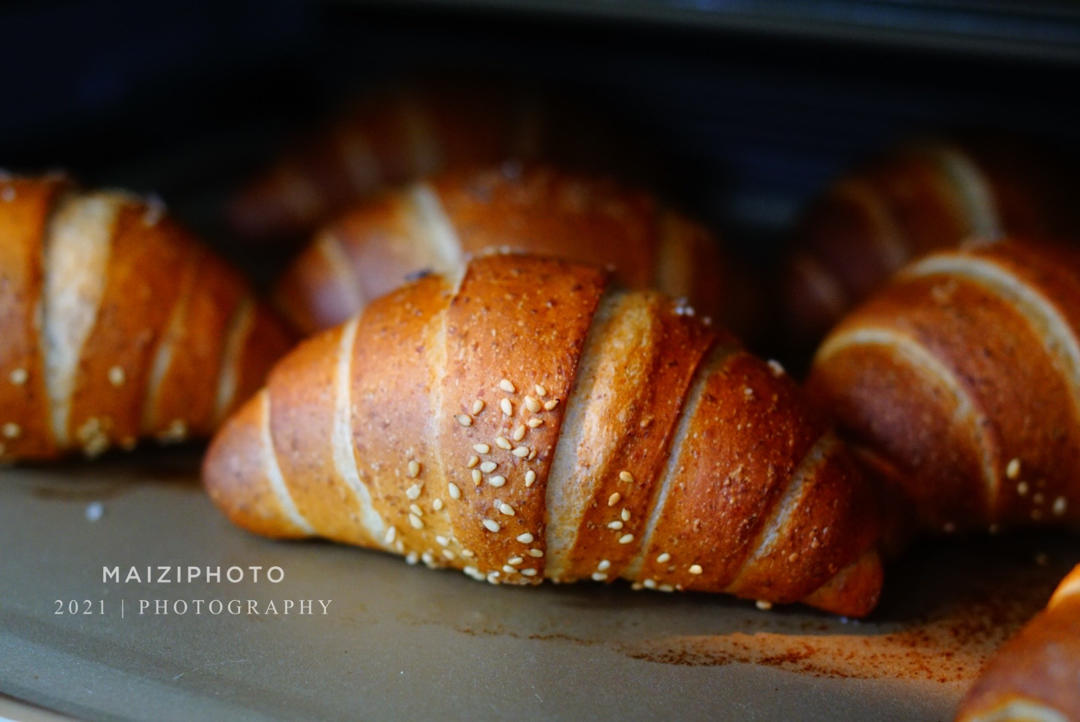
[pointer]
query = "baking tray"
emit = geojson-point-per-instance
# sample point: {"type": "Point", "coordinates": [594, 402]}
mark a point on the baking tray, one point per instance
{"type": "Point", "coordinates": [401, 642]}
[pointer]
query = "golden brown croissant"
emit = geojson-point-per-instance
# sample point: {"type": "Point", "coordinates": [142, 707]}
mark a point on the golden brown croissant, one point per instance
{"type": "Point", "coordinates": [116, 324]}
{"type": "Point", "coordinates": [960, 383]}
{"type": "Point", "coordinates": [918, 198]}
{"type": "Point", "coordinates": [404, 132]}
{"type": "Point", "coordinates": [527, 421]}
{"type": "Point", "coordinates": [434, 225]}
{"type": "Point", "coordinates": [1035, 677]}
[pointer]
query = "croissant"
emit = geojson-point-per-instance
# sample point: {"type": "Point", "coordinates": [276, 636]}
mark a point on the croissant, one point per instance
{"type": "Point", "coordinates": [1036, 675]}
{"type": "Point", "coordinates": [527, 422]}
{"type": "Point", "coordinates": [404, 132]}
{"type": "Point", "coordinates": [959, 384]}
{"type": "Point", "coordinates": [921, 197]}
{"type": "Point", "coordinates": [116, 324]}
{"type": "Point", "coordinates": [436, 224]}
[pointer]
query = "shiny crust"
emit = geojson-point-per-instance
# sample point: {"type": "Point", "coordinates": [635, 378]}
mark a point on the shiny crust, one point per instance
{"type": "Point", "coordinates": [160, 289]}
{"type": "Point", "coordinates": [961, 381]}
{"type": "Point", "coordinates": [1036, 674]}
{"type": "Point", "coordinates": [492, 415]}
{"type": "Point", "coordinates": [434, 225]}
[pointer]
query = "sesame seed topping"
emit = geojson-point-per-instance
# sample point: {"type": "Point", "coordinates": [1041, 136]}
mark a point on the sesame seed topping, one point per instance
{"type": "Point", "coordinates": [497, 481]}
{"type": "Point", "coordinates": [528, 572]}
{"type": "Point", "coordinates": [776, 368]}
{"type": "Point", "coordinates": [1060, 505]}
{"type": "Point", "coordinates": [491, 525]}
{"type": "Point", "coordinates": [530, 477]}
{"type": "Point", "coordinates": [441, 540]}
{"type": "Point", "coordinates": [649, 584]}
{"type": "Point", "coordinates": [666, 588]}
{"type": "Point", "coordinates": [455, 492]}
{"type": "Point", "coordinates": [519, 433]}
{"type": "Point", "coordinates": [792, 557]}
{"type": "Point", "coordinates": [534, 422]}
{"type": "Point", "coordinates": [391, 533]}
{"type": "Point", "coordinates": [12, 430]}
{"type": "Point", "coordinates": [532, 404]}
{"type": "Point", "coordinates": [506, 386]}
{"type": "Point", "coordinates": [468, 553]}
{"type": "Point", "coordinates": [614, 499]}
{"type": "Point", "coordinates": [514, 561]}
{"type": "Point", "coordinates": [477, 477]}
{"type": "Point", "coordinates": [416, 510]}
{"type": "Point", "coordinates": [604, 565]}
{"type": "Point", "coordinates": [413, 492]}
{"type": "Point", "coordinates": [1013, 469]}
{"type": "Point", "coordinates": [464, 419]}
{"type": "Point", "coordinates": [549, 405]}
{"type": "Point", "coordinates": [695, 569]}
{"type": "Point", "coordinates": [477, 406]}
{"type": "Point", "coordinates": [502, 443]}
{"type": "Point", "coordinates": [663, 558]}
{"type": "Point", "coordinates": [615, 524]}
{"type": "Point", "coordinates": [521, 452]}
{"type": "Point", "coordinates": [763, 605]}
{"type": "Point", "coordinates": [488, 466]}
{"type": "Point", "coordinates": [415, 521]}
{"type": "Point", "coordinates": [536, 553]}
{"type": "Point", "coordinates": [625, 515]}
{"type": "Point", "coordinates": [626, 476]}
{"type": "Point", "coordinates": [473, 461]}
{"type": "Point", "coordinates": [508, 569]}
{"type": "Point", "coordinates": [626, 538]}
{"type": "Point", "coordinates": [427, 558]}
{"type": "Point", "coordinates": [532, 455]}
{"type": "Point", "coordinates": [481, 448]}
{"type": "Point", "coordinates": [412, 558]}
{"type": "Point", "coordinates": [18, 377]}
{"type": "Point", "coordinates": [116, 376]}
{"type": "Point", "coordinates": [506, 509]}
{"type": "Point", "coordinates": [414, 469]}
{"type": "Point", "coordinates": [525, 538]}
{"type": "Point", "coordinates": [447, 554]}
{"type": "Point", "coordinates": [437, 505]}
{"type": "Point", "coordinates": [1022, 488]}
{"type": "Point", "coordinates": [540, 391]}
{"type": "Point", "coordinates": [599, 577]}
{"type": "Point", "coordinates": [507, 407]}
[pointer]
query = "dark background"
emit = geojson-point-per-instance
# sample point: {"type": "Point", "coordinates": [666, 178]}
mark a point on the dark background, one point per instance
{"type": "Point", "coordinates": [758, 103]}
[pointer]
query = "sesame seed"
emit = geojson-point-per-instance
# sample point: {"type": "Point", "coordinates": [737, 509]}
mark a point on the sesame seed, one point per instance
{"type": "Point", "coordinates": [416, 510]}
{"type": "Point", "coordinates": [748, 392]}
{"type": "Point", "coordinates": [520, 451]}
{"type": "Point", "coordinates": [414, 469]}
{"type": "Point", "coordinates": [497, 481]}
{"type": "Point", "coordinates": [427, 558]}
{"type": "Point", "coordinates": [695, 569]}
{"type": "Point", "coordinates": [534, 422]}
{"type": "Point", "coordinates": [481, 448]}
{"type": "Point", "coordinates": [529, 572]}
{"type": "Point", "coordinates": [1022, 488]}
{"type": "Point", "coordinates": [413, 492]}
{"type": "Point", "coordinates": [792, 557]}
{"type": "Point", "coordinates": [649, 584]}
{"type": "Point", "coordinates": [391, 533]}
{"type": "Point", "coordinates": [604, 565]}
{"type": "Point", "coordinates": [532, 404]}
{"type": "Point", "coordinates": [507, 407]}
{"type": "Point", "coordinates": [415, 521]}
{"type": "Point", "coordinates": [477, 477]}
{"type": "Point", "coordinates": [515, 561]}
{"type": "Point", "coordinates": [12, 430]}
{"type": "Point", "coordinates": [502, 443]}
{"type": "Point", "coordinates": [441, 540]}
{"type": "Point", "coordinates": [447, 554]}
{"type": "Point", "coordinates": [505, 508]}
{"type": "Point", "coordinates": [455, 492]}
{"type": "Point", "coordinates": [549, 405]}
{"type": "Point", "coordinates": [493, 577]}
{"type": "Point", "coordinates": [532, 455]}
{"type": "Point", "coordinates": [599, 577]}
{"type": "Point", "coordinates": [116, 376]}
{"type": "Point", "coordinates": [626, 476]}
{"type": "Point", "coordinates": [530, 477]}
{"type": "Point", "coordinates": [536, 553]}
{"type": "Point", "coordinates": [636, 586]}
{"type": "Point", "coordinates": [491, 525]}
{"type": "Point", "coordinates": [614, 499]}
{"type": "Point", "coordinates": [412, 558]}
{"type": "Point", "coordinates": [540, 391]}
{"type": "Point", "coordinates": [506, 386]}
{"type": "Point", "coordinates": [1060, 505]}
{"type": "Point", "coordinates": [18, 377]}
{"type": "Point", "coordinates": [525, 538]}
{"type": "Point", "coordinates": [666, 588]}
{"type": "Point", "coordinates": [615, 524]}
{"type": "Point", "coordinates": [464, 419]}
{"type": "Point", "coordinates": [488, 466]}
{"type": "Point", "coordinates": [663, 558]}
{"type": "Point", "coordinates": [508, 569]}
{"type": "Point", "coordinates": [473, 461]}
{"type": "Point", "coordinates": [468, 553]}
{"type": "Point", "coordinates": [477, 406]}
{"type": "Point", "coordinates": [519, 433]}
{"type": "Point", "coordinates": [1013, 469]}
{"type": "Point", "coordinates": [776, 368]}
{"type": "Point", "coordinates": [763, 605]}
{"type": "Point", "coordinates": [625, 515]}
{"type": "Point", "coordinates": [626, 538]}
{"type": "Point", "coordinates": [437, 505]}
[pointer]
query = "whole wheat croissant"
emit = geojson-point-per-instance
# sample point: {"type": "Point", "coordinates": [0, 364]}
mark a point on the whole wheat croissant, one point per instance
{"type": "Point", "coordinates": [960, 383]}
{"type": "Point", "coordinates": [435, 224]}
{"type": "Point", "coordinates": [529, 422]}
{"type": "Point", "coordinates": [920, 197]}
{"type": "Point", "coordinates": [402, 132]}
{"type": "Point", "coordinates": [116, 324]}
{"type": "Point", "coordinates": [1035, 677]}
